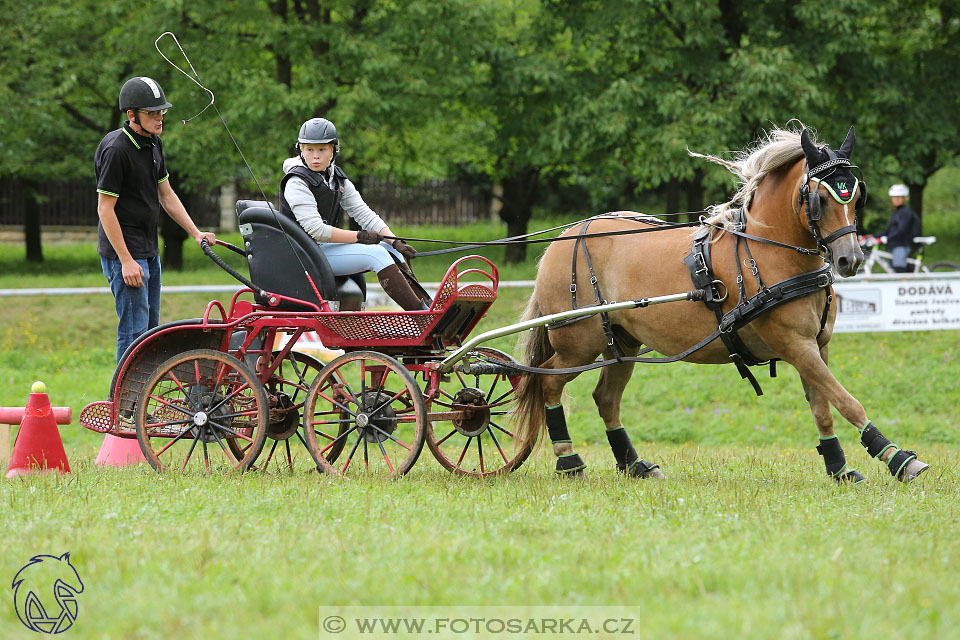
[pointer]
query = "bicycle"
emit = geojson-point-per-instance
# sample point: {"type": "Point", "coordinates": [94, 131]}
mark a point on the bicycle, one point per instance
{"type": "Point", "coordinates": [882, 261]}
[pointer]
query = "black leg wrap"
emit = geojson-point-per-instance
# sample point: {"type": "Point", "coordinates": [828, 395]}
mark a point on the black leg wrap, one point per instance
{"type": "Point", "coordinates": [899, 461]}
{"type": "Point", "coordinates": [640, 468]}
{"type": "Point", "coordinates": [873, 440]}
{"type": "Point", "coordinates": [836, 462]}
{"type": "Point", "coordinates": [570, 465]}
{"type": "Point", "coordinates": [622, 448]}
{"type": "Point", "coordinates": [557, 424]}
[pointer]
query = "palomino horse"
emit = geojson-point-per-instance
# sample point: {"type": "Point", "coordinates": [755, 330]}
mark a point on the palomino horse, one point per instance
{"type": "Point", "coordinates": [792, 209]}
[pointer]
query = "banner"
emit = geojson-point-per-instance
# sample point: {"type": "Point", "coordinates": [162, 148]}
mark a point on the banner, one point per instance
{"type": "Point", "coordinates": [898, 302]}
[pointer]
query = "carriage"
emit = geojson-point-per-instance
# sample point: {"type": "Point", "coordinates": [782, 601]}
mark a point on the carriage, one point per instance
{"type": "Point", "coordinates": [216, 389]}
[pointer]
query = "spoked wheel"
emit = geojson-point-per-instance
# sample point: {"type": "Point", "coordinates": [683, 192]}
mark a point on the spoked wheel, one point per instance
{"type": "Point", "coordinates": [287, 391]}
{"type": "Point", "coordinates": [202, 409]}
{"type": "Point", "coordinates": [470, 428]}
{"type": "Point", "coordinates": [367, 405]}
{"type": "Point", "coordinates": [944, 266]}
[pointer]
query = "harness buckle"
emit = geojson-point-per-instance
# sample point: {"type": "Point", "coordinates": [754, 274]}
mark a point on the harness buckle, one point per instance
{"type": "Point", "coordinates": [593, 280]}
{"type": "Point", "coordinates": [573, 287]}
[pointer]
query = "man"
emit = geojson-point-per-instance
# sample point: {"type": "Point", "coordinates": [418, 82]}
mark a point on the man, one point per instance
{"type": "Point", "coordinates": [903, 228]}
{"type": "Point", "coordinates": [132, 186]}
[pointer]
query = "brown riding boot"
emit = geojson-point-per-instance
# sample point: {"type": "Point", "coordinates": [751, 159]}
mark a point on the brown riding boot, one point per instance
{"type": "Point", "coordinates": [415, 284]}
{"type": "Point", "coordinates": [395, 285]}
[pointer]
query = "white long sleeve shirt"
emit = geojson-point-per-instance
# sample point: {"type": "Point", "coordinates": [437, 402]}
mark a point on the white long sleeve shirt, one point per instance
{"type": "Point", "coordinates": [304, 206]}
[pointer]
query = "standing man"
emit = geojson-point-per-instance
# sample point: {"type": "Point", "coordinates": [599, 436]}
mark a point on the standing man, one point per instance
{"type": "Point", "coordinates": [132, 186]}
{"type": "Point", "coordinates": [903, 228]}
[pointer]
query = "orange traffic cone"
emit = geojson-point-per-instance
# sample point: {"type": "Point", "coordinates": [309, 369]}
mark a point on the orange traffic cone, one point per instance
{"type": "Point", "coordinates": [119, 452]}
{"type": "Point", "coordinates": [38, 446]}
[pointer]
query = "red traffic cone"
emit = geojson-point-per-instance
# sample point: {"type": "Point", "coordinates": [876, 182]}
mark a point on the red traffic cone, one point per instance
{"type": "Point", "coordinates": [119, 452]}
{"type": "Point", "coordinates": [38, 446]}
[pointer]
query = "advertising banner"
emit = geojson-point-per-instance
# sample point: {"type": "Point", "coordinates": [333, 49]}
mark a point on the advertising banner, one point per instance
{"type": "Point", "coordinates": [898, 302]}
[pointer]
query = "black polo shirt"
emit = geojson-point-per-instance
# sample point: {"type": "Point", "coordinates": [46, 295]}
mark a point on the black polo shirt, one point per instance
{"type": "Point", "coordinates": [130, 167]}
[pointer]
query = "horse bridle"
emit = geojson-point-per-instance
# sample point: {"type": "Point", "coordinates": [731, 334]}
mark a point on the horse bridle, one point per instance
{"type": "Point", "coordinates": [809, 198]}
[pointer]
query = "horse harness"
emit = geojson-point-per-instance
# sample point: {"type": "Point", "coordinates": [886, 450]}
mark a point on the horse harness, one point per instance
{"type": "Point", "coordinates": [708, 289]}
{"type": "Point", "coordinates": [749, 308]}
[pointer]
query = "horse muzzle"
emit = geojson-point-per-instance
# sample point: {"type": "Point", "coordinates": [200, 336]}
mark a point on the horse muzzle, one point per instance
{"type": "Point", "coordinates": [846, 256]}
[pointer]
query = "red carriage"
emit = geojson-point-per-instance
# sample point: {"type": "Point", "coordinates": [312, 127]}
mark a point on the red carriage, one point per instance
{"type": "Point", "coordinates": [213, 391]}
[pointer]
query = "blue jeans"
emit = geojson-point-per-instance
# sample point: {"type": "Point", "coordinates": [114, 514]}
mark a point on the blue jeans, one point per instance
{"type": "Point", "coordinates": [138, 308]}
{"type": "Point", "coordinates": [899, 260]}
{"type": "Point", "coordinates": [346, 259]}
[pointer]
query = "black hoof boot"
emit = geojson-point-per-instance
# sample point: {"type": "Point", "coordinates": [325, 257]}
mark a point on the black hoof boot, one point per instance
{"type": "Point", "coordinates": [641, 469]}
{"type": "Point", "coordinates": [905, 466]}
{"type": "Point", "coordinates": [849, 477]}
{"type": "Point", "coordinates": [570, 465]}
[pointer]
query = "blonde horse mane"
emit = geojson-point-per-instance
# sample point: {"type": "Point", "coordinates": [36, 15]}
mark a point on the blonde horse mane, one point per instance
{"type": "Point", "coordinates": [779, 147]}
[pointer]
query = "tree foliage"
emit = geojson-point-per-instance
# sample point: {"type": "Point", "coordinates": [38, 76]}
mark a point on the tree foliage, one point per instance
{"type": "Point", "coordinates": [588, 97]}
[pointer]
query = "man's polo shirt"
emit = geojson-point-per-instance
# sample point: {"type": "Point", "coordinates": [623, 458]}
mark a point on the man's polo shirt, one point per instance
{"type": "Point", "coordinates": [130, 167]}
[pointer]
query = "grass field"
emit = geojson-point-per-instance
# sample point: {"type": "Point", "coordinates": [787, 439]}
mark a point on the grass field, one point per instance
{"type": "Point", "coordinates": [747, 538]}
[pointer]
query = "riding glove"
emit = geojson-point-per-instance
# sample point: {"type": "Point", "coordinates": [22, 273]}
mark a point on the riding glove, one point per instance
{"type": "Point", "coordinates": [365, 236]}
{"type": "Point", "coordinates": [405, 250]}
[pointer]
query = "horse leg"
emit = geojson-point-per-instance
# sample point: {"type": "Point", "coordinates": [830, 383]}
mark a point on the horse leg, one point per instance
{"type": "Point", "coordinates": [569, 463]}
{"type": "Point", "coordinates": [607, 395]}
{"type": "Point", "coordinates": [829, 446]}
{"type": "Point", "coordinates": [903, 465]}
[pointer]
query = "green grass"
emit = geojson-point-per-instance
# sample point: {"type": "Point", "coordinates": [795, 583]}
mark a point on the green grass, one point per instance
{"type": "Point", "coordinates": [739, 542]}
{"type": "Point", "coordinates": [746, 538]}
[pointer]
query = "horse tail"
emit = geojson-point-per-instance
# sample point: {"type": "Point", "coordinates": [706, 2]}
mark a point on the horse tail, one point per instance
{"type": "Point", "coordinates": [530, 412]}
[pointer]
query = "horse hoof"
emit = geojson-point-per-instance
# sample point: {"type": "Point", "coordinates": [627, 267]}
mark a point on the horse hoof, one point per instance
{"type": "Point", "coordinates": [570, 465]}
{"type": "Point", "coordinates": [913, 469]}
{"type": "Point", "coordinates": [850, 477]}
{"type": "Point", "coordinates": [643, 469]}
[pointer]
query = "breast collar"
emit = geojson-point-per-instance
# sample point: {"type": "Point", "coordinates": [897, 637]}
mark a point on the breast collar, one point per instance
{"type": "Point", "coordinates": [747, 309]}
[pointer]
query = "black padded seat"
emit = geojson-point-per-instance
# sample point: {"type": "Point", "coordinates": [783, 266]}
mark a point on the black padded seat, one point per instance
{"type": "Point", "coordinates": [276, 269]}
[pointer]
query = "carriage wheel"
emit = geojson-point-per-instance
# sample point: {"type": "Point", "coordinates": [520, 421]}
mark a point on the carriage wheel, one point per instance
{"type": "Point", "coordinates": [202, 409]}
{"type": "Point", "coordinates": [287, 391]}
{"type": "Point", "coordinates": [470, 427]}
{"type": "Point", "coordinates": [368, 405]}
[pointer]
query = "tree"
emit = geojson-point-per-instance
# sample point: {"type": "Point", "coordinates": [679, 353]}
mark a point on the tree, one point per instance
{"type": "Point", "coordinates": [910, 88]}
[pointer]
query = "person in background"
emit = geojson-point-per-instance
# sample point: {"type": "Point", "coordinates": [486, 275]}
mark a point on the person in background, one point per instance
{"type": "Point", "coordinates": [904, 226]}
{"type": "Point", "coordinates": [133, 185]}
{"type": "Point", "coordinates": [316, 192]}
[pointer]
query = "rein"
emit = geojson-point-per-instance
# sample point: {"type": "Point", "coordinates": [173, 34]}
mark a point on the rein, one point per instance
{"type": "Point", "coordinates": [659, 225]}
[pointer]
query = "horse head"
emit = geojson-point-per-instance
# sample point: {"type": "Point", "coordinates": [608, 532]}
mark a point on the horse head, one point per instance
{"type": "Point", "coordinates": [829, 187]}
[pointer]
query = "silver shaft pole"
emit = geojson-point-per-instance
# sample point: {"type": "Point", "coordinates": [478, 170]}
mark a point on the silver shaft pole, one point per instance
{"type": "Point", "coordinates": [448, 363]}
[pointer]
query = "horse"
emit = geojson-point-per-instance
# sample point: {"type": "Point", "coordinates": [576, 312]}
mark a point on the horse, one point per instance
{"type": "Point", "coordinates": [789, 223]}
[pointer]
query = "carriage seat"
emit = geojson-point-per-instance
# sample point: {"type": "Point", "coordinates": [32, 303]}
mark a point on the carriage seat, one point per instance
{"type": "Point", "coordinates": [276, 269]}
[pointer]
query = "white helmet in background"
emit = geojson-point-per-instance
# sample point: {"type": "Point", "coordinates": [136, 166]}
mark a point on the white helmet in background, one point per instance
{"type": "Point", "coordinates": [898, 190]}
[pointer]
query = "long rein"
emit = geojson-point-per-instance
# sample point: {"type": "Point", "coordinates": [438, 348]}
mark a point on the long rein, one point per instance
{"type": "Point", "coordinates": [490, 366]}
{"type": "Point", "coordinates": [529, 238]}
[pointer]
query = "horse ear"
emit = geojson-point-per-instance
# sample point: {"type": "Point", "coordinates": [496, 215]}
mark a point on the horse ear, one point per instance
{"type": "Point", "coordinates": [848, 143]}
{"type": "Point", "coordinates": [810, 150]}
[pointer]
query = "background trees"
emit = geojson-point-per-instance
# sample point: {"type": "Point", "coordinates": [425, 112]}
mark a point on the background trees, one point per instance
{"type": "Point", "coordinates": [579, 106]}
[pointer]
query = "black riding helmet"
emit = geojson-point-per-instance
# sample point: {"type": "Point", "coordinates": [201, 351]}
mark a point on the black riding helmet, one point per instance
{"type": "Point", "coordinates": [318, 131]}
{"type": "Point", "coordinates": [142, 93]}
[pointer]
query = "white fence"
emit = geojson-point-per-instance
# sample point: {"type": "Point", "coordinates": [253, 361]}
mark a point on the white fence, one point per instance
{"type": "Point", "coordinates": [887, 302]}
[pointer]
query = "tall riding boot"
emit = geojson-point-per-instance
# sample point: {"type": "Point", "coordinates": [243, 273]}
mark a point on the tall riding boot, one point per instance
{"type": "Point", "coordinates": [415, 284]}
{"type": "Point", "coordinates": [395, 285]}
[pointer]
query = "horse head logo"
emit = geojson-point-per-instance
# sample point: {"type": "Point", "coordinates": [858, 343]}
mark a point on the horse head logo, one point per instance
{"type": "Point", "coordinates": [45, 593]}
